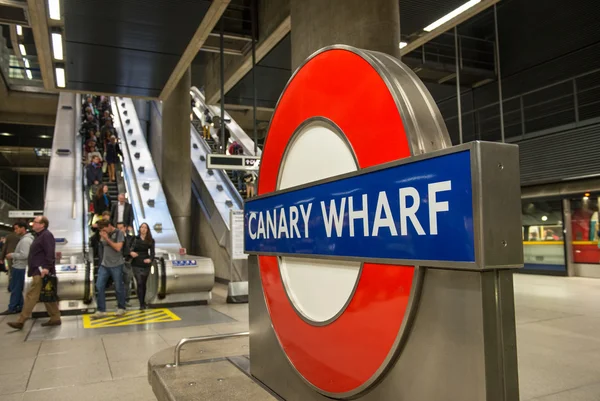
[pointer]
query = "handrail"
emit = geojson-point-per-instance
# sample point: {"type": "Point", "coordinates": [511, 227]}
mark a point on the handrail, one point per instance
{"type": "Point", "coordinates": [162, 291]}
{"type": "Point", "coordinates": [135, 183]}
{"type": "Point", "coordinates": [87, 291]}
{"type": "Point", "coordinates": [183, 341]}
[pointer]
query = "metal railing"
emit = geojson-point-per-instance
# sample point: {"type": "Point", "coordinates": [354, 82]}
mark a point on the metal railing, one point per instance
{"type": "Point", "coordinates": [183, 341]}
{"type": "Point", "coordinates": [561, 105]}
{"type": "Point", "coordinates": [472, 52]}
{"type": "Point", "coordinates": [10, 196]}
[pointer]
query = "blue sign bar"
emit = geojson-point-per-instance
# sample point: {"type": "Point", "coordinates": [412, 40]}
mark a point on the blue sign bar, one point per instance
{"type": "Point", "coordinates": [181, 263]}
{"type": "Point", "coordinates": [414, 211]}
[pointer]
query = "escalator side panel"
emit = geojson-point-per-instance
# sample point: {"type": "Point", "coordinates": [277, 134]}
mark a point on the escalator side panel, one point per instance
{"type": "Point", "coordinates": [167, 239]}
{"type": "Point", "coordinates": [63, 203]}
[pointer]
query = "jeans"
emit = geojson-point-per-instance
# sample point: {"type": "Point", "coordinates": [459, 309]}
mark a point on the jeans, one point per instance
{"type": "Point", "coordinates": [141, 277]}
{"type": "Point", "coordinates": [17, 283]}
{"type": "Point", "coordinates": [117, 275]}
{"type": "Point", "coordinates": [127, 278]}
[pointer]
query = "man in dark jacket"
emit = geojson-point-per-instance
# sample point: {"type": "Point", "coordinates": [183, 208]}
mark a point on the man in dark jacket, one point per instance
{"type": "Point", "coordinates": [40, 264]}
{"type": "Point", "coordinates": [122, 212]}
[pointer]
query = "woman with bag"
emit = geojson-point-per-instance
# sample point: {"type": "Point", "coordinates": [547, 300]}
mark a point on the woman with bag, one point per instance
{"type": "Point", "coordinates": [102, 203]}
{"type": "Point", "coordinates": [142, 253]}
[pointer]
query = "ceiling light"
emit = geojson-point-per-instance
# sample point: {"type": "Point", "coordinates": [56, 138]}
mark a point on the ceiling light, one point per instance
{"type": "Point", "coordinates": [57, 46]}
{"type": "Point", "coordinates": [544, 218]}
{"type": "Point", "coordinates": [29, 75]}
{"type": "Point", "coordinates": [22, 49]}
{"type": "Point", "coordinates": [45, 136]}
{"type": "Point", "coordinates": [54, 9]}
{"type": "Point", "coordinates": [403, 45]}
{"type": "Point", "coordinates": [27, 65]}
{"type": "Point", "coordinates": [60, 77]}
{"type": "Point", "coordinates": [6, 134]}
{"type": "Point", "coordinates": [450, 15]}
{"type": "Point", "coordinates": [587, 194]}
{"type": "Point", "coordinates": [19, 30]}
{"type": "Point", "coordinates": [586, 198]}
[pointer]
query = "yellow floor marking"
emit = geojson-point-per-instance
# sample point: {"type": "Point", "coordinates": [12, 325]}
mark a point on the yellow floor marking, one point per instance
{"type": "Point", "coordinates": [134, 317]}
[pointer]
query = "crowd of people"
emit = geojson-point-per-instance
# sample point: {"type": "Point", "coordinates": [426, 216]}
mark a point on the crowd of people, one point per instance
{"type": "Point", "coordinates": [245, 181]}
{"type": "Point", "coordinates": [122, 256]}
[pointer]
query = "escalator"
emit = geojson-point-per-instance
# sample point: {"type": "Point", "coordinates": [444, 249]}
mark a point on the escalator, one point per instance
{"type": "Point", "coordinates": [216, 194]}
{"type": "Point", "coordinates": [175, 278]}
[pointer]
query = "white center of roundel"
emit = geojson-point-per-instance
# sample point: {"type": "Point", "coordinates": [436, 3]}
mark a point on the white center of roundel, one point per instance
{"type": "Point", "coordinates": [319, 289]}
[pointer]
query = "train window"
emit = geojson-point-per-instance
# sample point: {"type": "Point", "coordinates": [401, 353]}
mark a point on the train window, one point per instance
{"type": "Point", "coordinates": [543, 236]}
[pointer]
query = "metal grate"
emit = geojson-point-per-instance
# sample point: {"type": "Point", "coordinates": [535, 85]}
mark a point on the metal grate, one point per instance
{"type": "Point", "coordinates": [565, 155]}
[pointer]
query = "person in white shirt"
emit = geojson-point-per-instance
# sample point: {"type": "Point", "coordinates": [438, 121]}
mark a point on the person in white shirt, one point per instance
{"type": "Point", "coordinates": [122, 213]}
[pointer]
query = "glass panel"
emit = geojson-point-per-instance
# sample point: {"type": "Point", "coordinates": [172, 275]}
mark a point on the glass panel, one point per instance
{"type": "Point", "coordinates": [543, 241]}
{"type": "Point", "coordinates": [584, 227]}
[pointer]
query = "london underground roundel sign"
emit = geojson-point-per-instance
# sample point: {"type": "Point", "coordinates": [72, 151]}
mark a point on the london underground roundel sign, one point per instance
{"type": "Point", "coordinates": [341, 322]}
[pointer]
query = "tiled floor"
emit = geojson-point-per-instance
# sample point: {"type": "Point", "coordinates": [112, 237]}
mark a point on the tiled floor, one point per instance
{"type": "Point", "coordinates": [70, 363]}
{"type": "Point", "coordinates": [558, 326]}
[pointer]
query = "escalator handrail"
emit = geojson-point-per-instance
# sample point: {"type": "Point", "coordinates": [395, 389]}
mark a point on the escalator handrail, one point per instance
{"type": "Point", "coordinates": [87, 292]}
{"type": "Point", "coordinates": [162, 290]}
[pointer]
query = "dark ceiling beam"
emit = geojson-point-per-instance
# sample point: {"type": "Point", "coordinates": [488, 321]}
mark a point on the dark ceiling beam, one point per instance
{"type": "Point", "coordinates": [25, 118]}
{"type": "Point", "coordinates": [39, 24]}
{"type": "Point", "coordinates": [214, 13]}
{"type": "Point", "coordinates": [421, 39]}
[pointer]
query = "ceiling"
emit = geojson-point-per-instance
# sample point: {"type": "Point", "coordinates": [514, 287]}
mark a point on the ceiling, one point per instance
{"type": "Point", "coordinates": [127, 46]}
{"type": "Point", "coordinates": [32, 136]}
{"type": "Point", "coordinates": [417, 14]}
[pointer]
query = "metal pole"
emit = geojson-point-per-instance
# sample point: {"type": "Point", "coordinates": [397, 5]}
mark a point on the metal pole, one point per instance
{"type": "Point", "coordinates": [499, 74]}
{"type": "Point", "coordinates": [575, 101]}
{"type": "Point", "coordinates": [222, 39]}
{"type": "Point", "coordinates": [460, 131]}
{"type": "Point", "coordinates": [254, 77]}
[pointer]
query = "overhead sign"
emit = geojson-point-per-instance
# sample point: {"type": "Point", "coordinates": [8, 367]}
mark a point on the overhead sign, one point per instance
{"type": "Point", "coordinates": [232, 162]}
{"type": "Point", "coordinates": [24, 214]}
{"type": "Point", "coordinates": [184, 263]}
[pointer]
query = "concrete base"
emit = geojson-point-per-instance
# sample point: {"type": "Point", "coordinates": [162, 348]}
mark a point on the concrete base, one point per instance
{"type": "Point", "coordinates": [216, 371]}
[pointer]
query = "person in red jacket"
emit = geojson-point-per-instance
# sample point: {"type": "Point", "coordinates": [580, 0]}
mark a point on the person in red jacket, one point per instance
{"type": "Point", "coordinates": [40, 263]}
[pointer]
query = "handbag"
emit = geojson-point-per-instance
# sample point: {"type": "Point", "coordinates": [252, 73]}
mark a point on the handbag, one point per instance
{"type": "Point", "coordinates": [49, 292]}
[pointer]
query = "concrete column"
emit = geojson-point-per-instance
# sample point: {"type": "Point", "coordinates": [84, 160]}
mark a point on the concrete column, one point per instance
{"type": "Point", "coordinates": [372, 25]}
{"type": "Point", "coordinates": [176, 163]}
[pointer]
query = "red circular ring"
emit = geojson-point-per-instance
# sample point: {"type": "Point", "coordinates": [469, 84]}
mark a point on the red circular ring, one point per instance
{"type": "Point", "coordinates": [350, 352]}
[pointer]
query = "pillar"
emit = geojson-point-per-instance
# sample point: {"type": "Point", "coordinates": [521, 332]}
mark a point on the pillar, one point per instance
{"type": "Point", "coordinates": [176, 174]}
{"type": "Point", "coordinates": [373, 25]}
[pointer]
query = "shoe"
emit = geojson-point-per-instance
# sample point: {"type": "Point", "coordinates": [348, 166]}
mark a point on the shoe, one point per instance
{"type": "Point", "coordinates": [8, 312]}
{"type": "Point", "coordinates": [50, 323]}
{"type": "Point", "coordinates": [120, 312]}
{"type": "Point", "coordinates": [143, 307]}
{"type": "Point", "coordinates": [15, 325]}
{"type": "Point", "coordinates": [98, 315]}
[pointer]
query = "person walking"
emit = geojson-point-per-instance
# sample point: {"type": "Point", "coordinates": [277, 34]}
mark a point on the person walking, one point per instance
{"type": "Point", "coordinates": [10, 243]}
{"type": "Point", "coordinates": [112, 265]}
{"type": "Point", "coordinates": [41, 262]}
{"type": "Point", "coordinates": [142, 253]}
{"type": "Point", "coordinates": [19, 258]}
